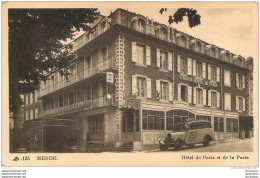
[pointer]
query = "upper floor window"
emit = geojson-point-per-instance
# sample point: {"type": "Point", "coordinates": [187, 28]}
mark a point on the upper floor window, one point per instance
{"type": "Point", "coordinates": [240, 101]}
{"type": "Point", "coordinates": [61, 101]}
{"type": "Point", "coordinates": [213, 52]}
{"type": "Point", "coordinates": [103, 53]}
{"type": "Point", "coordinates": [183, 65]}
{"type": "Point", "coordinates": [198, 46]}
{"type": "Point", "coordinates": [164, 90]}
{"type": "Point", "coordinates": [184, 93]}
{"type": "Point", "coordinates": [72, 97]}
{"type": "Point", "coordinates": [199, 96]}
{"type": "Point", "coordinates": [87, 62]}
{"type": "Point", "coordinates": [227, 57]}
{"type": "Point", "coordinates": [141, 25]}
{"type": "Point", "coordinates": [163, 60]}
{"type": "Point", "coordinates": [199, 69]}
{"type": "Point", "coordinates": [183, 41]}
{"type": "Point", "coordinates": [213, 73]}
{"type": "Point", "coordinates": [164, 33]}
{"type": "Point", "coordinates": [213, 98]}
{"type": "Point", "coordinates": [140, 54]}
{"type": "Point", "coordinates": [227, 101]}
{"type": "Point", "coordinates": [227, 78]}
{"type": "Point", "coordinates": [141, 88]}
{"type": "Point", "coordinates": [103, 26]}
{"type": "Point", "coordinates": [240, 81]}
{"type": "Point", "coordinates": [52, 103]}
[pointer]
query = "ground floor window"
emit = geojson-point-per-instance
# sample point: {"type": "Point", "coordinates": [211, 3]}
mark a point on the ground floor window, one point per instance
{"type": "Point", "coordinates": [96, 123]}
{"type": "Point", "coordinates": [153, 120]}
{"type": "Point", "coordinates": [177, 116]}
{"type": "Point", "coordinates": [218, 124]}
{"type": "Point", "coordinates": [137, 122]}
{"type": "Point", "coordinates": [232, 125]}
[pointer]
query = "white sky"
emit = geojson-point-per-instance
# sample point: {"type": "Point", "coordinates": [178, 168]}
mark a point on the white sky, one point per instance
{"type": "Point", "coordinates": [228, 28]}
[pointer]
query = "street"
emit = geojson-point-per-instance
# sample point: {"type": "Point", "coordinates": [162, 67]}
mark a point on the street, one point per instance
{"type": "Point", "coordinates": [245, 145]}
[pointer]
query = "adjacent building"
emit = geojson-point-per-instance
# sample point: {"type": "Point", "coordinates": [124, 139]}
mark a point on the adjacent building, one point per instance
{"type": "Point", "coordinates": [133, 79]}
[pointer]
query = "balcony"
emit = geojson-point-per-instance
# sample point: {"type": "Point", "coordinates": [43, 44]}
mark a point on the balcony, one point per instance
{"type": "Point", "coordinates": [81, 106]}
{"type": "Point", "coordinates": [81, 75]}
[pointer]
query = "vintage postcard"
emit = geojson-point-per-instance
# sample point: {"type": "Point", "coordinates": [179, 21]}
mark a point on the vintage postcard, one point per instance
{"type": "Point", "coordinates": [130, 84]}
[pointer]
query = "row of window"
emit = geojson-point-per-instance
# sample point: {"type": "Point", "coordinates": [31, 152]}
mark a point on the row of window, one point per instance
{"type": "Point", "coordinates": [30, 98]}
{"type": "Point", "coordinates": [182, 40]}
{"type": "Point", "coordinates": [141, 86]}
{"type": "Point", "coordinates": [154, 120]}
{"type": "Point", "coordinates": [141, 54]}
{"type": "Point", "coordinates": [31, 114]}
{"type": "Point", "coordinates": [90, 92]}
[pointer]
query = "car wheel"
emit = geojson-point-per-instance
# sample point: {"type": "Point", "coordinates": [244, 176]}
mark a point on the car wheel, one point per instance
{"type": "Point", "coordinates": [163, 147]}
{"type": "Point", "coordinates": [178, 144]}
{"type": "Point", "coordinates": [206, 141]}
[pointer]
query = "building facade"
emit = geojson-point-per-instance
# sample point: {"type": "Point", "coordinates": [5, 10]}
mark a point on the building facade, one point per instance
{"type": "Point", "coordinates": [134, 78]}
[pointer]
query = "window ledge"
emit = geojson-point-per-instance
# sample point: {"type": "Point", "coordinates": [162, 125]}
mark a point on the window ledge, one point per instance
{"type": "Point", "coordinates": [240, 88]}
{"type": "Point", "coordinates": [227, 85]}
{"type": "Point", "coordinates": [141, 65]}
{"type": "Point", "coordinates": [163, 70]}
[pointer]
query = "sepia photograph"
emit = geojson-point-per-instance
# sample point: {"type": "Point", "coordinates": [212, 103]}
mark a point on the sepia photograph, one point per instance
{"type": "Point", "coordinates": [130, 80]}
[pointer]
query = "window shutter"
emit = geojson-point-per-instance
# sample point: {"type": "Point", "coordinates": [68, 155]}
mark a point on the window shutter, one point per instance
{"type": "Point", "coordinates": [189, 94]}
{"type": "Point", "coordinates": [148, 55]}
{"type": "Point", "coordinates": [204, 97]}
{"type": "Point", "coordinates": [170, 61]}
{"type": "Point", "coordinates": [179, 63]}
{"type": "Point", "coordinates": [179, 92]}
{"type": "Point", "coordinates": [218, 99]}
{"type": "Point", "coordinates": [237, 103]}
{"type": "Point", "coordinates": [134, 82]}
{"type": "Point", "coordinates": [209, 72]}
{"type": "Point", "coordinates": [204, 70]}
{"type": "Point", "coordinates": [244, 104]}
{"type": "Point", "coordinates": [170, 91]}
{"type": "Point", "coordinates": [194, 67]}
{"type": "Point", "coordinates": [243, 80]}
{"type": "Point", "coordinates": [237, 80]}
{"type": "Point", "coordinates": [209, 97]}
{"type": "Point", "coordinates": [134, 59]}
{"type": "Point", "coordinates": [158, 58]}
{"type": "Point", "coordinates": [149, 88]}
{"type": "Point", "coordinates": [194, 95]}
{"type": "Point", "coordinates": [189, 66]}
{"type": "Point", "coordinates": [218, 74]}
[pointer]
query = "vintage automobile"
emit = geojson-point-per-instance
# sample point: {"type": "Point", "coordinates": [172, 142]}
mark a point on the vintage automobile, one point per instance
{"type": "Point", "coordinates": [188, 133]}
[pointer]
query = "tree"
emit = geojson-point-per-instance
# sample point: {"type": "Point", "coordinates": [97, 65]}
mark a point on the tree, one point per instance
{"type": "Point", "coordinates": [193, 17]}
{"type": "Point", "coordinates": [35, 45]}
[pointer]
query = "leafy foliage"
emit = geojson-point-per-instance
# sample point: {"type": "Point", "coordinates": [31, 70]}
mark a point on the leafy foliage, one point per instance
{"type": "Point", "coordinates": [35, 43]}
{"type": "Point", "coordinates": [193, 17]}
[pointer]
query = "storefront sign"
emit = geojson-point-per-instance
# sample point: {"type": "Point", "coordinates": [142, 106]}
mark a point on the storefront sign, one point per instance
{"type": "Point", "coordinates": [198, 80]}
{"type": "Point", "coordinates": [109, 77]}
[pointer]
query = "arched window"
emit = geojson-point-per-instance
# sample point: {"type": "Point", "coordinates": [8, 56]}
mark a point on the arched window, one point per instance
{"type": "Point", "coordinates": [213, 52]}
{"type": "Point", "coordinates": [103, 26]}
{"type": "Point", "coordinates": [227, 57]}
{"type": "Point", "coordinates": [140, 25]}
{"type": "Point", "coordinates": [183, 41]}
{"type": "Point", "coordinates": [163, 33]}
{"type": "Point", "coordinates": [198, 46]}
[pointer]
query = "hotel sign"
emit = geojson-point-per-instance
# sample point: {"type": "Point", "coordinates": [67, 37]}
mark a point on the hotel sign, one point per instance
{"type": "Point", "coordinates": [198, 80]}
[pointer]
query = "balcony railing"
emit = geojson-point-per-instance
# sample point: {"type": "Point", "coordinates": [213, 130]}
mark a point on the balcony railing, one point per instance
{"type": "Point", "coordinates": [85, 105]}
{"type": "Point", "coordinates": [86, 73]}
